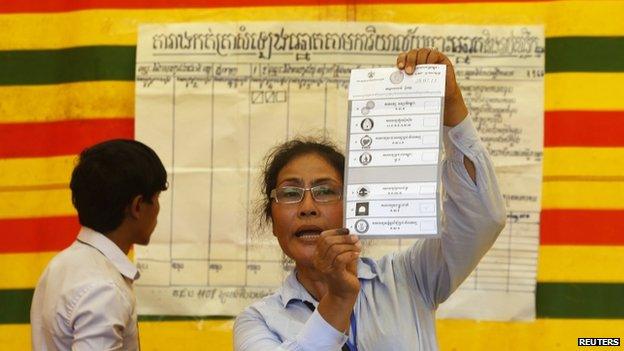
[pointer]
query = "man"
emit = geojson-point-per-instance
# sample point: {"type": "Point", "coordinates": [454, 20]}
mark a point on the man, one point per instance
{"type": "Point", "coordinates": [84, 299]}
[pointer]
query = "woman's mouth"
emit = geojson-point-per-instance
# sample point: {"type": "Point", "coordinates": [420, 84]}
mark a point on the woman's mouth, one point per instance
{"type": "Point", "coordinates": [308, 234]}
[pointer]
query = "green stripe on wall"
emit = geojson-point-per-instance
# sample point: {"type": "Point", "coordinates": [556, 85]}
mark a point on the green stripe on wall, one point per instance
{"type": "Point", "coordinates": [93, 63]}
{"type": "Point", "coordinates": [15, 306]}
{"type": "Point", "coordinates": [585, 54]}
{"type": "Point", "coordinates": [554, 300]}
{"type": "Point", "coordinates": [580, 300]}
{"type": "Point", "coordinates": [87, 63]}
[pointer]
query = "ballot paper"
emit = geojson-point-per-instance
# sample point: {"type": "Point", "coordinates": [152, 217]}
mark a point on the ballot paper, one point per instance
{"type": "Point", "coordinates": [392, 173]}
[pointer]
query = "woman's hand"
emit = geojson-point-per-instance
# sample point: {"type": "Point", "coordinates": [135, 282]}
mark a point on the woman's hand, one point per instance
{"type": "Point", "coordinates": [454, 107]}
{"type": "Point", "coordinates": [336, 258]}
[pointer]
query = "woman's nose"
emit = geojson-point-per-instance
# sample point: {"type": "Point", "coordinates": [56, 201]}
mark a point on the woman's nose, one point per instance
{"type": "Point", "coordinates": [307, 206]}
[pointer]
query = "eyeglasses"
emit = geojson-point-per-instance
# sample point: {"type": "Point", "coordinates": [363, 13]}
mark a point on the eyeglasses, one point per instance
{"type": "Point", "coordinates": [294, 194]}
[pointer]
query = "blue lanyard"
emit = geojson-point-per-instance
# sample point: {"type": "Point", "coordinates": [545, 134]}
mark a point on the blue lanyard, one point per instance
{"type": "Point", "coordinates": [353, 346]}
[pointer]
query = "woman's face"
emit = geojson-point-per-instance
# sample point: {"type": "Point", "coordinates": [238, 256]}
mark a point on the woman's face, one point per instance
{"type": "Point", "coordinates": [297, 226]}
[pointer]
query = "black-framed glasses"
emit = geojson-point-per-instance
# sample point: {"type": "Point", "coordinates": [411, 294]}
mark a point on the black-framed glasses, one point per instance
{"type": "Point", "coordinates": [294, 194]}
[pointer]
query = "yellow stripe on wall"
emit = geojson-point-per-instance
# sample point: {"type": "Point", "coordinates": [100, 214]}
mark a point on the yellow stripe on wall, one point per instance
{"type": "Point", "coordinates": [559, 163]}
{"type": "Point", "coordinates": [584, 91]}
{"type": "Point", "coordinates": [560, 18]}
{"type": "Point", "coordinates": [187, 335]}
{"type": "Point", "coordinates": [580, 264]}
{"type": "Point", "coordinates": [464, 335]}
{"type": "Point", "coordinates": [579, 18]}
{"type": "Point", "coordinates": [557, 263]}
{"type": "Point", "coordinates": [555, 194]}
{"type": "Point", "coordinates": [110, 99]}
{"type": "Point", "coordinates": [579, 162]}
{"type": "Point", "coordinates": [22, 270]}
{"type": "Point", "coordinates": [15, 337]}
{"type": "Point", "coordinates": [26, 268]}
{"type": "Point", "coordinates": [118, 27]}
{"type": "Point", "coordinates": [66, 101]}
{"type": "Point", "coordinates": [542, 334]}
{"type": "Point", "coordinates": [35, 172]}
{"type": "Point", "coordinates": [530, 13]}
{"type": "Point", "coordinates": [586, 195]}
{"type": "Point", "coordinates": [36, 203]}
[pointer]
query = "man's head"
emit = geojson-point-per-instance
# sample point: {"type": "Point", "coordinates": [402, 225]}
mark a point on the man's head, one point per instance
{"type": "Point", "coordinates": [111, 182]}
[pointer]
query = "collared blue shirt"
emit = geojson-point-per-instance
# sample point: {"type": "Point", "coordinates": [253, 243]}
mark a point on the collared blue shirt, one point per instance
{"type": "Point", "coordinates": [399, 293]}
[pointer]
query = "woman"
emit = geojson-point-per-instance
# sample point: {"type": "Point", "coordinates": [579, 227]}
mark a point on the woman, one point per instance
{"type": "Point", "coordinates": [336, 300]}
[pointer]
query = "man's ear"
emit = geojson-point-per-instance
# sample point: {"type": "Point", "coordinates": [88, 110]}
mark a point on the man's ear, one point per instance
{"type": "Point", "coordinates": [134, 208]}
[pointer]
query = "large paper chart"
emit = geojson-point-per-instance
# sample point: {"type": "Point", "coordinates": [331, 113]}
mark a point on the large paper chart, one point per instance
{"type": "Point", "coordinates": [212, 98]}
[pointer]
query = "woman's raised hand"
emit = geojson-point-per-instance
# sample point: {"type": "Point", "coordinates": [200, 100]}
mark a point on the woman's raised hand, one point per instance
{"type": "Point", "coordinates": [454, 107]}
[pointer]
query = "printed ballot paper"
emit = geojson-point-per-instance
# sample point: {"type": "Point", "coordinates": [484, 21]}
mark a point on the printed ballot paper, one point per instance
{"type": "Point", "coordinates": [393, 152]}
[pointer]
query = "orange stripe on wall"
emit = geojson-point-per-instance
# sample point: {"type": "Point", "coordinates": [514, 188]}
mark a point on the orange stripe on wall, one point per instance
{"type": "Point", "coordinates": [37, 234]}
{"type": "Point", "coordinates": [60, 137]}
{"type": "Point", "coordinates": [582, 227]}
{"type": "Point", "coordinates": [562, 128]}
{"type": "Point", "coordinates": [13, 6]}
{"type": "Point", "coordinates": [584, 128]}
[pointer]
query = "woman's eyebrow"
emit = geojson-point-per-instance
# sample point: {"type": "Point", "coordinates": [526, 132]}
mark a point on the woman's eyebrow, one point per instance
{"type": "Point", "coordinates": [291, 180]}
{"type": "Point", "coordinates": [323, 180]}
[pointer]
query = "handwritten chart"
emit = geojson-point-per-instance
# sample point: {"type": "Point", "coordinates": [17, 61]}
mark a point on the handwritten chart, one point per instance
{"type": "Point", "coordinates": [213, 98]}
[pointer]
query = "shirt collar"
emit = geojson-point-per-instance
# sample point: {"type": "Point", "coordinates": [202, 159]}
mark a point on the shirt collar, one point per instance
{"type": "Point", "coordinates": [110, 250]}
{"type": "Point", "coordinates": [292, 289]}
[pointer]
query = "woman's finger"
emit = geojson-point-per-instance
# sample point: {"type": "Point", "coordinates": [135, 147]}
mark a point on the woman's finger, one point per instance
{"type": "Point", "coordinates": [410, 62]}
{"type": "Point", "coordinates": [342, 260]}
{"type": "Point", "coordinates": [401, 60]}
{"type": "Point", "coordinates": [335, 250]}
{"type": "Point", "coordinates": [421, 57]}
{"type": "Point", "coordinates": [325, 244]}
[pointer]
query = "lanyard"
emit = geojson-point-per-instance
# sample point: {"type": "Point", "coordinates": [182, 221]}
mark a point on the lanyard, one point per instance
{"type": "Point", "coordinates": [353, 346]}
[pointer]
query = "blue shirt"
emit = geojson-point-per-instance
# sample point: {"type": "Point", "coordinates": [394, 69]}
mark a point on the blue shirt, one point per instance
{"type": "Point", "coordinates": [395, 309]}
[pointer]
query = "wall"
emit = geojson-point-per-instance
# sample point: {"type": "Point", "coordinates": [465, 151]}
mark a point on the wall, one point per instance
{"type": "Point", "coordinates": [67, 82]}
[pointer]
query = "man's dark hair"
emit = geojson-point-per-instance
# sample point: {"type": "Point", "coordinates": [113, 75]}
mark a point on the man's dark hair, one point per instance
{"type": "Point", "coordinates": [284, 153]}
{"type": "Point", "coordinates": [108, 176]}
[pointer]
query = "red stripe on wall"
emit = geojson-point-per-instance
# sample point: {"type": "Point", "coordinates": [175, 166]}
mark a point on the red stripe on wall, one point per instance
{"type": "Point", "coordinates": [37, 234]}
{"type": "Point", "coordinates": [12, 6]}
{"type": "Point", "coordinates": [562, 128]}
{"type": "Point", "coordinates": [584, 128]}
{"type": "Point", "coordinates": [582, 227]}
{"type": "Point", "coordinates": [61, 137]}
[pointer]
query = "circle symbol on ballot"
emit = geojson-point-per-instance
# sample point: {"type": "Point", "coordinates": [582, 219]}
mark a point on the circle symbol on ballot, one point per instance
{"type": "Point", "coordinates": [365, 111]}
{"type": "Point", "coordinates": [365, 158]}
{"type": "Point", "coordinates": [367, 124]}
{"type": "Point", "coordinates": [361, 226]}
{"type": "Point", "coordinates": [370, 104]}
{"type": "Point", "coordinates": [366, 141]}
{"type": "Point", "coordinates": [396, 77]}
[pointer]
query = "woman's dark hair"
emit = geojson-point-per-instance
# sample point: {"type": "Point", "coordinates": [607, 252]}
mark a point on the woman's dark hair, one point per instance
{"type": "Point", "coordinates": [108, 176]}
{"type": "Point", "coordinates": [279, 157]}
